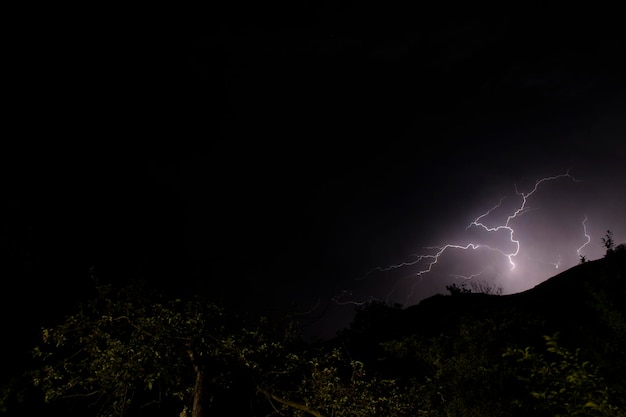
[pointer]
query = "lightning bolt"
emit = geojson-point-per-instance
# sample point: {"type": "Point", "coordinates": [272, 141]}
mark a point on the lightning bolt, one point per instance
{"type": "Point", "coordinates": [557, 263]}
{"type": "Point", "coordinates": [338, 299]}
{"type": "Point", "coordinates": [586, 235]}
{"type": "Point", "coordinates": [518, 212]}
{"type": "Point", "coordinates": [430, 260]}
{"type": "Point", "coordinates": [469, 277]}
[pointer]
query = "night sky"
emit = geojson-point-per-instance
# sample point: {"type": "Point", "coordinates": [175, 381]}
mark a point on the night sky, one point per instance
{"type": "Point", "coordinates": [286, 157]}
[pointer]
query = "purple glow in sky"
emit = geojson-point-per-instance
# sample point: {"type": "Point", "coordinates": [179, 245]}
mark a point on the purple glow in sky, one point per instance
{"type": "Point", "coordinates": [527, 237]}
{"type": "Point", "coordinates": [322, 154]}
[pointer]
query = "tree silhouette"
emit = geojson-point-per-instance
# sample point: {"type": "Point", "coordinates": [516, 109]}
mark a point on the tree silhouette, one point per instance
{"type": "Point", "coordinates": [608, 242]}
{"type": "Point", "coordinates": [128, 349]}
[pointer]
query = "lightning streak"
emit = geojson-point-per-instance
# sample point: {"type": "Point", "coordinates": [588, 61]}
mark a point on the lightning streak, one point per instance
{"type": "Point", "coordinates": [433, 258]}
{"type": "Point", "coordinates": [586, 235]}
{"type": "Point", "coordinates": [469, 277]}
{"type": "Point", "coordinates": [520, 210]}
{"type": "Point", "coordinates": [338, 299]}
{"type": "Point", "coordinates": [429, 261]}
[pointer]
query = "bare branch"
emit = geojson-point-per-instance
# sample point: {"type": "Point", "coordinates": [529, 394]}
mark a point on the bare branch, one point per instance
{"type": "Point", "coordinates": [289, 403]}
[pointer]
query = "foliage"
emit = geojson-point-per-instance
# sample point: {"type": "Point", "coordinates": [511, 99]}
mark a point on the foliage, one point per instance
{"type": "Point", "coordinates": [608, 242]}
{"type": "Point", "coordinates": [455, 289]}
{"type": "Point", "coordinates": [476, 287]}
{"type": "Point", "coordinates": [332, 384]}
{"type": "Point", "coordinates": [469, 372]}
{"type": "Point", "coordinates": [561, 383]}
{"type": "Point", "coordinates": [123, 348]}
{"type": "Point", "coordinates": [10, 392]}
{"type": "Point", "coordinates": [128, 350]}
{"type": "Point", "coordinates": [459, 372]}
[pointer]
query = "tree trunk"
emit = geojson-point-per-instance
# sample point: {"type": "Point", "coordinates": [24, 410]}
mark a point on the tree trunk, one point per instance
{"type": "Point", "coordinates": [198, 389]}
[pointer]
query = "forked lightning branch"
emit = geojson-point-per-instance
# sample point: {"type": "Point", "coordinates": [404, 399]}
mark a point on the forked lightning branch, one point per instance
{"type": "Point", "coordinates": [426, 262]}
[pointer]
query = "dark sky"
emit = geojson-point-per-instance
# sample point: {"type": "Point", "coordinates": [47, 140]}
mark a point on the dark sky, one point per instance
{"type": "Point", "coordinates": [275, 156]}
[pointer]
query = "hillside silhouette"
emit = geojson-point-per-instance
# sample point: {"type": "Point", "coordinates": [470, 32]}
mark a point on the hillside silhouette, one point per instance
{"type": "Point", "coordinates": [579, 313]}
{"type": "Point", "coordinates": [570, 301]}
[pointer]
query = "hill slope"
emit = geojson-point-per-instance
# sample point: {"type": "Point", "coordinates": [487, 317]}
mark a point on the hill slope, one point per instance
{"type": "Point", "coordinates": [555, 348]}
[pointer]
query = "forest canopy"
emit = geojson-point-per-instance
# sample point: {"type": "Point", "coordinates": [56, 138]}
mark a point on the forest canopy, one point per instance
{"type": "Point", "coordinates": [130, 350]}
